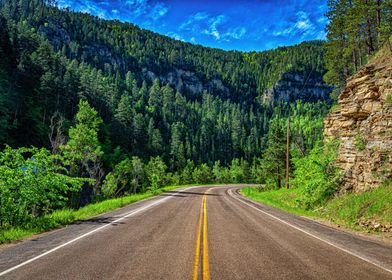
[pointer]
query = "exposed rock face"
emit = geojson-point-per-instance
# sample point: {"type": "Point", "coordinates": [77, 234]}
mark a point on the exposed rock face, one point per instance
{"type": "Point", "coordinates": [187, 82]}
{"type": "Point", "coordinates": [302, 86]}
{"type": "Point", "coordinates": [362, 122]}
{"type": "Point", "coordinates": [57, 35]}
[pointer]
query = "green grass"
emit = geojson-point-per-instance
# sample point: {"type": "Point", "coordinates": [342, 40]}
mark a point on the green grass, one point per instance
{"type": "Point", "coordinates": [375, 205]}
{"type": "Point", "coordinates": [68, 216]}
{"type": "Point", "coordinates": [285, 199]}
{"type": "Point", "coordinates": [349, 210]}
{"type": "Point", "coordinates": [389, 98]}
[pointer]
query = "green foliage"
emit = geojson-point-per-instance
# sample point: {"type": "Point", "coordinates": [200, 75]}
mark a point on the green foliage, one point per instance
{"type": "Point", "coordinates": [352, 210]}
{"type": "Point", "coordinates": [67, 216]}
{"type": "Point", "coordinates": [359, 142]}
{"type": "Point", "coordinates": [356, 30]}
{"type": "Point", "coordinates": [127, 177]}
{"type": "Point", "coordinates": [221, 173]}
{"type": "Point", "coordinates": [156, 172]}
{"type": "Point", "coordinates": [316, 175]}
{"type": "Point", "coordinates": [239, 171]}
{"type": "Point", "coordinates": [32, 184]}
{"type": "Point", "coordinates": [388, 99]}
{"type": "Point", "coordinates": [202, 174]}
{"type": "Point", "coordinates": [83, 150]}
{"type": "Point", "coordinates": [130, 127]}
{"type": "Point", "coordinates": [273, 164]}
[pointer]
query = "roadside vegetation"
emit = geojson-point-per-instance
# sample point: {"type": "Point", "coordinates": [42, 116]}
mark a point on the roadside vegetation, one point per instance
{"type": "Point", "coordinates": [370, 211]}
{"type": "Point", "coordinates": [67, 216]}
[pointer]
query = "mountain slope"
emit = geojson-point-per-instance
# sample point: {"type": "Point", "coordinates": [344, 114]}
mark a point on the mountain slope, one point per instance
{"type": "Point", "coordinates": [156, 95]}
{"type": "Point", "coordinates": [113, 46]}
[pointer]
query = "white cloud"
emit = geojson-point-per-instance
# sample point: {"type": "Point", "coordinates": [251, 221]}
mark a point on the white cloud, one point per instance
{"type": "Point", "coordinates": [235, 33]}
{"type": "Point", "coordinates": [192, 19]}
{"type": "Point", "coordinates": [158, 11]}
{"type": "Point", "coordinates": [213, 24]}
{"type": "Point", "coordinates": [175, 36]}
{"type": "Point", "coordinates": [302, 27]}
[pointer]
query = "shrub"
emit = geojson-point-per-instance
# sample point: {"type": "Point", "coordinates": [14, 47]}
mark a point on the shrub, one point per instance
{"type": "Point", "coordinates": [359, 143]}
{"type": "Point", "coordinates": [317, 175]}
{"type": "Point", "coordinates": [389, 98]}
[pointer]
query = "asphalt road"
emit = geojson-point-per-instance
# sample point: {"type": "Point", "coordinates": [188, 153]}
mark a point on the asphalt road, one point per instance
{"type": "Point", "coordinates": [197, 233]}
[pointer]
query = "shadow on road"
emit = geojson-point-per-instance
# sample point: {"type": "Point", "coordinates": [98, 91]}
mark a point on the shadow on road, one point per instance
{"type": "Point", "coordinates": [100, 220]}
{"type": "Point", "coordinates": [181, 194]}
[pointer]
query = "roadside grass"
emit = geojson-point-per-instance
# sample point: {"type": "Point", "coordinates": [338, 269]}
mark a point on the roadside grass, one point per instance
{"type": "Point", "coordinates": [351, 209]}
{"type": "Point", "coordinates": [355, 211]}
{"type": "Point", "coordinates": [68, 216]}
{"type": "Point", "coordinates": [285, 199]}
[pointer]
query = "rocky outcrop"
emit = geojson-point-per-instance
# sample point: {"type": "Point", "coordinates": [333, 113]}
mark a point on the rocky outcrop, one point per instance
{"type": "Point", "coordinates": [187, 82]}
{"type": "Point", "coordinates": [362, 122]}
{"type": "Point", "coordinates": [298, 86]}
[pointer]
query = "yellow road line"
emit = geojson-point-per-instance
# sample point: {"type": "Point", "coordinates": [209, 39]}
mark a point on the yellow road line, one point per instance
{"type": "Point", "coordinates": [197, 250]}
{"type": "Point", "coordinates": [206, 266]}
{"type": "Point", "coordinates": [202, 233]}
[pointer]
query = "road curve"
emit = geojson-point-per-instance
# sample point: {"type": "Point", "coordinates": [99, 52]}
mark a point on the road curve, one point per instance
{"type": "Point", "coordinates": [197, 233]}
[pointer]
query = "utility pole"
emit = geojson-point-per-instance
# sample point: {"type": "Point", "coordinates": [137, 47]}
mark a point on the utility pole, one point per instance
{"type": "Point", "coordinates": [288, 153]}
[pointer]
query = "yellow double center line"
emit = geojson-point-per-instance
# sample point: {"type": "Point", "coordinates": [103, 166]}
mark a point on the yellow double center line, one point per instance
{"type": "Point", "coordinates": [200, 230]}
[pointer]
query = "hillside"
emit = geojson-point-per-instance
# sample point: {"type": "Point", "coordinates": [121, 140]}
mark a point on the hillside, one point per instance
{"type": "Point", "coordinates": [112, 47]}
{"type": "Point", "coordinates": [157, 95]}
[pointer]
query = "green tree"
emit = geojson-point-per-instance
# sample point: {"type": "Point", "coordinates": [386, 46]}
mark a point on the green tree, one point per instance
{"type": "Point", "coordinates": [83, 149]}
{"type": "Point", "coordinates": [155, 171]}
{"type": "Point", "coordinates": [273, 159]}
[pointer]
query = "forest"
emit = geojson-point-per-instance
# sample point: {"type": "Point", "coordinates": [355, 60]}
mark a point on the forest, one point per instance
{"type": "Point", "coordinates": [80, 122]}
{"type": "Point", "coordinates": [357, 30]}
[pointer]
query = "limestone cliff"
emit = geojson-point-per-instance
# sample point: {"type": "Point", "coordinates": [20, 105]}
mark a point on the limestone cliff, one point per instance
{"type": "Point", "coordinates": [298, 86]}
{"type": "Point", "coordinates": [362, 122]}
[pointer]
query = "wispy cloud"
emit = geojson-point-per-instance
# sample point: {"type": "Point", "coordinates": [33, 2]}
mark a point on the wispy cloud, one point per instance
{"type": "Point", "coordinates": [158, 11]}
{"type": "Point", "coordinates": [176, 36]}
{"type": "Point", "coordinates": [193, 20]}
{"type": "Point", "coordinates": [241, 25]}
{"type": "Point", "coordinates": [124, 10]}
{"type": "Point", "coordinates": [302, 27]}
{"type": "Point", "coordinates": [213, 24]}
{"type": "Point", "coordinates": [235, 33]}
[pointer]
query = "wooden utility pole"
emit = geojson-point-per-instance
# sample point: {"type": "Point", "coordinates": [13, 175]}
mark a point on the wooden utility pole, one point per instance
{"type": "Point", "coordinates": [288, 153]}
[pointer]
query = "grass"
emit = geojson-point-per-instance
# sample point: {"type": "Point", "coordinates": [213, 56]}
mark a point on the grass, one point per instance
{"type": "Point", "coordinates": [285, 199]}
{"type": "Point", "coordinates": [355, 211]}
{"type": "Point", "coordinates": [389, 98]}
{"type": "Point", "coordinates": [68, 216]}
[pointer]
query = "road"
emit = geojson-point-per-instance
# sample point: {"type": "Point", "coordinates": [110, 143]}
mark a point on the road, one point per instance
{"type": "Point", "coordinates": [197, 233]}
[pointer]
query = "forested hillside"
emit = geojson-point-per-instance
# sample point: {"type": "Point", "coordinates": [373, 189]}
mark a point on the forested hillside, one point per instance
{"type": "Point", "coordinates": [356, 31]}
{"type": "Point", "coordinates": [124, 110]}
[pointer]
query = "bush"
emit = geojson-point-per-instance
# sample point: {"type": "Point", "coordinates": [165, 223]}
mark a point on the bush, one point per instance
{"type": "Point", "coordinates": [317, 175]}
{"type": "Point", "coordinates": [389, 98]}
{"type": "Point", "coordinates": [359, 143]}
{"type": "Point", "coordinates": [32, 184]}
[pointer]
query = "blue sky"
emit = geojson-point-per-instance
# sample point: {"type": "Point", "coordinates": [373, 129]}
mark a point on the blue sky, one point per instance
{"type": "Point", "coordinates": [230, 25]}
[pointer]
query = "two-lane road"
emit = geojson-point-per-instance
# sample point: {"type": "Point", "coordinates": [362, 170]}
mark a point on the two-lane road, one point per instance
{"type": "Point", "coordinates": [197, 233]}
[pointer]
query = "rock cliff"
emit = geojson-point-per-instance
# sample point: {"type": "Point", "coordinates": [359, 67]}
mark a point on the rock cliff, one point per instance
{"type": "Point", "coordinates": [298, 86]}
{"type": "Point", "coordinates": [362, 122]}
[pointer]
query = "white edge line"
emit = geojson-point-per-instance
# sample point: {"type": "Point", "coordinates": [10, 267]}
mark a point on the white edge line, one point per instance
{"type": "Point", "coordinates": [127, 215]}
{"type": "Point", "coordinates": [312, 235]}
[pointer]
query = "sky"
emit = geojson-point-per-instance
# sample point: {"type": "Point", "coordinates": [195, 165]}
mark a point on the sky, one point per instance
{"type": "Point", "coordinates": [244, 25]}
